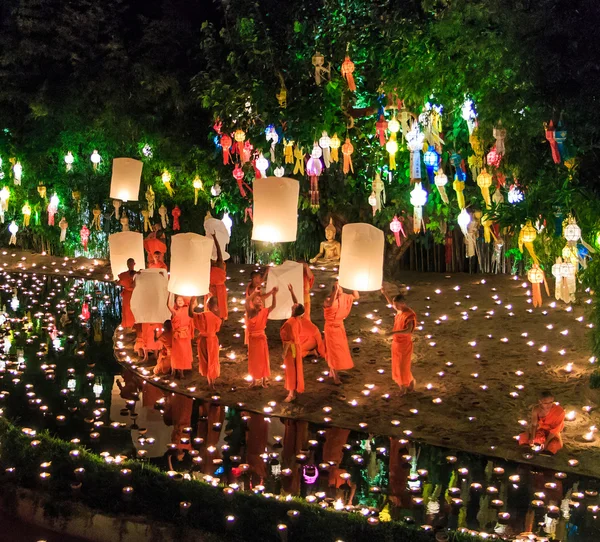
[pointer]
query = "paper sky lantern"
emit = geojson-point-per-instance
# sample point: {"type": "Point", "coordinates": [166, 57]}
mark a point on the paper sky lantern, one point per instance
{"type": "Point", "coordinates": [149, 298]}
{"type": "Point", "coordinates": [125, 245]}
{"type": "Point", "coordinates": [275, 209]}
{"type": "Point", "coordinates": [361, 262]}
{"type": "Point", "coordinates": [190, 264]}
{"type": "Point", "coordinates": [216, 226]}
{"type": "Point", "coordinates": [125, 181]}
{"type": "Point", "coordinates": [282, 275]}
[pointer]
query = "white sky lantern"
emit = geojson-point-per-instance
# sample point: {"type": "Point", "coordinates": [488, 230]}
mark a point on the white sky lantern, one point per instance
{"type": "Point", "coordinates": [149, 299]}
{"type": "Point", "coordinates": [282, 275]}
{"type": "Point", "coordinates": [361, 262]}
{"type": "Point", "coordinates": [190, 264]}
{"type": "Point", "coordinates": [125, 245]}
{"type": "Point", "coordinates": [227, 221]}
{"type": "Point", "coordinates": [275, 209]}
{"type": "Point", "coordinates": [125, 181]}
{"type": "Point", "coordinates": [216, 226]}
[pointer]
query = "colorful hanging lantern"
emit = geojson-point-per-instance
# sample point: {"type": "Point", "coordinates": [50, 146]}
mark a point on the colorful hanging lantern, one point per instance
{"type": "Point", "coordinates": [487, 228]}
{"type": "Point", "coordinates": [347, 71]}
{"type": "Point", "coordinates": [96, 212]}
{"type": "Point", "coordinates": [176, 212]}
{"type": "Point", "coordinates": [347, 150]}
{"type": "Point", "coordinates": [226, 143]}
{"type": "Point", "coordinates": [42, 191]}
{"type": "Point", "coordinates": [392, 148]}
{"type": "Point", "coordinates": [26, 214]}
{"type": "Point", "coordinates": [239, 136]}
{"type": "Point", "coordinates": [325, 144]}
{"type": "Point", "coordinates": [498, 198]}
{"type": "Point", "coordinates": [321, 72]}
{"type": "Point", "coordinates": [459, 188]}
{"type": "Point", "coordinates": [494, 157]}
{"type": "Point", "coordinates": [418, 199]}
{"type": "Point", "coordinates": [572, 232]}
{"type": "Point", "coordinates": [314, 170]}
{"type": "Point", "coordinates": [484, 181]}
{"type": "Point", "coordinates": [273, 137]}
{"type": "Point", "coordinates": [146, 219]}
{"type": "Point", "coordinates": [550, 137]}
{"type": "Point", "coordinates": [150, 200]}
{"type": "Point", "coordinates": [299, 156]}
{"type": "Point", "coordinates": [215, 190]}
{"type": "Point", "coordinates": [431, 159]}
{"type": "Point", "coordinates": [515, 195]}
{"type": "Point", "coordinates": [69, 159]}
{"type": "Point", "coordinates": [238, 175]}
{"type": "Point", "coordinates": [288, 151]}
{"type": "Point", "coordinates": [414, 140]}
{"type": "Point", "coordinates": [63, 225]}
{"type": "Point", "coordinates": [379, 191]}
{"type": "Point", "coordinates": [393, 125]}
{"type": "Point", "coordinates": [52, 209]}
{"type": "Point", "coordinates": [536, 277]}
{"type": "Point", "coordinates": [197, 184]}
{"type": "Point", "coordinates": [380, 127]}
{"type": "Point", "coordinates": [397, 228]}
{"type": "Point", "coordinates": [13, 229]}
{"type": "Point", "coordinates": [164, 216]}
{"type": "Point", "coordinates": [95, 159]}
{"type": "Point", "coordinates": [441, 180]}
{"type": "Point", "coordinates": [248, 152]}
{"type": "Point", "coordinates": [335, 145]}
{"type": "Point", "coordinates": [499, 135]}
{"type": "Point", "coordinates": [469, 115]}
{"type": "Point", "coordinates": [527, 236]}
{"type": "Point", "coordinates": [262, 164]}
{"type": "Point", "coordinates": [373, 202]}
{"type": "Point", "coordinates": [4, 197]}
{"type": "Point", "coordinates": [84, 235]}
{"type": "Point", "coordinates": [560, 137]}
{"type": "Point", "coordinates": [17, 173]}
{"type": "Point", "coordinates": [166, 179]}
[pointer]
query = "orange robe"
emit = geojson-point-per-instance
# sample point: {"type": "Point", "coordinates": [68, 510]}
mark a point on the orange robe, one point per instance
{"type": "Point", "coordinates": [294, 440]}
{"type": "Point", "coordinates": [553, 422]}
{"type": "Point", "coordinates": [152, 244]}
{"type": "Point", "coordinates": [126, 280]}
{"type": "Point", "coordinates": [208, 324]}
{"type": "Point", "coordinates": [178, 410]}
{"type": "Point", "coordinates": [217, 289]}
{"type": "Point", "coordinates": [336, 342]}
{"type": "Point", "coordinates": [333, 450]}
{"type": "Point", "coordinates": [258, 348]}
{"type": "Point", "coordinates": [308, 284]}
{"type": "Point", "coordinates": [402, 348]}
{"type": "Point", "coordinates": [163, 364]}
{"type": "Point", "coordinates": [181, 352]}
{"type": "Point", "coordinates": [294, 371]}
{"type": "Point", "coordinates": [310, 337]}
{"type": "Point", "coordinates": [257, 441]}
{"type": "Point", "coordinates": [148, 341]}
{"type": "Point", "coordinates": [157, 265]}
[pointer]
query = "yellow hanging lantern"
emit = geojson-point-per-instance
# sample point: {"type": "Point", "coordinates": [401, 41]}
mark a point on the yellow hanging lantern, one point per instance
{"type": "Point", "coordinates": [299, 156]}
{"type": "Point", "coordinates": [197, 184]}
{"type": "Point", "coordinates": [487, 228]}
{"type": "Point", "coordinates": [288, 151]}
{"type": "Point", "coordinates": [527, 236]}
{"type": "Point", "coordinates": [484, 181]}
{"type": "Point", "coordinates": [26, 214]}
{"type": "Point", "coordinates": [459, 187]}
{"type": "Point", "coordinates": [393, 125]}
{"type": "Point", "coordinates": [77, 199]}
{"type": "Point", "coordinates": [392, 147]}
{"type": "Point", "coordinates": [570, 254]}
{"type": "Point", "coordinates": [536, 277]}
{"type": "Point", "coordinates": [240, 137]}
{"type": "Point", "coordinates": [42, 191]}
{"type": "Point", "coordinates": [166, 179]}
{"type": "Point", "coordinates": [334, 145]}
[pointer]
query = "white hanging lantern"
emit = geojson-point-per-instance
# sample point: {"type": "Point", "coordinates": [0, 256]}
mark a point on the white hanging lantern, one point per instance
{"type": "Point", "coordinates": [125, 181]}
{"type": "Point", "coordinates": [262, 164]}
{"type": "Point", "coordinates": [18, 173]}
{"type": "Point", "coordinates": [13, 229]}
{"type": "Point", "coordinates": [414, 141]}
{"type": "Point", "coordinates": [325, 144]}
{"type": "Point", "coordinates": [441, 180]}
{"type": "Point", "coordinates": [464, 219]}
{"type": "Point", "coordinates": [125, 245]}
{"type": "Point", "coordinates": [217, 227]}
{"type": "Point", "coordinates": [361, 261]}
{"type": "Point", "coordinates": [275, 210]}
{"type": "Point", "coordinates": [282, 275]}
{"type": "Point", "coordinates": [572, 231]}
{"type": "Point", "coordinates": [95, 159]}
{"type": "Point", "coordinates": [515, 195]}
{"type": "Point", "coordinates": [279, 171]}
{"type": "Point", "coordinates": [418, 198]}
{"type": "Point", "coordinates": [190, 264]}
{"type": "Point", "coordinates": [228, 222]}
{"type": "Point", "coordinates": [149, 298]}
{"type": "Point", "coordinates": [69, 159]}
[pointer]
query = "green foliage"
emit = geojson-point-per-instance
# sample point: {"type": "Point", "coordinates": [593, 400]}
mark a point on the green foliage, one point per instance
{"type": "Point", "coordinates": [595, 379]}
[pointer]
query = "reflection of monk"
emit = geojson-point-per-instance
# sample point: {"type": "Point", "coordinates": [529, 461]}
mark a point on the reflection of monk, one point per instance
{"type": "Point", "coordinates": [150, 394]}
{"type": "Point", "coordinates": [547, 422]}
{"type": "Point", "coordinates": [296, 435]}
{"type": "Point", "coordinates": [178, 411]}
{"type": "Point", "coordinates": [399, 471]}
{"type": "Point", "coordinates": [210, 414]}
{"type": "Point", "coordinates": [310, 338]}
{"type": "Point", "coordinates": [130, 386]}
{"type": "Point", "coordinates": [330, 250]}
{"type": "Point", "coordinates": [333, 450]}
{"type": "Point", "coordinates": [257, 435]}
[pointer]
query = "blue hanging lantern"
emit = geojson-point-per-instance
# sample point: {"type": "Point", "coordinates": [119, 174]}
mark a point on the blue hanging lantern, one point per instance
{"type": "Point", "coordinates": [456, 161]}
{"type": "Point", "coordinates": [432, 160]}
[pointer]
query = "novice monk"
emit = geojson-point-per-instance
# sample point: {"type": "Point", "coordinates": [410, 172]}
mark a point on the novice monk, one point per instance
{"type": "Point", "coordinates": [126, 280]}
{"type": "Point", "coordinates": [292, 350]}
{"type": "Point", "coordinates": [402, 345]}
{"type": "Point", "coordinates": [311, 339]}
{"type": "Point", "coordinates": [208, 323]}
{"type": "Point", "coordinates": [309, 280]}
{"type": "Point", "coordinates": [165, 339]}
{"type": "Point", "coordinates": [256, 280]}
{"type": "Point", "coordinates": [181, 352]}
{"type": "Point", "coordinates": [218, 276]}
{"type": "Point", "coordinates": [336, 309]}
{"type": "Point", "coordinates": [157, 262]}
{"type": "Point", "coordinates": [547, 421]}
{"type": "Point", "coordinates": [155, 241]}
{"type": "Point", "coordinates": [258, 349]}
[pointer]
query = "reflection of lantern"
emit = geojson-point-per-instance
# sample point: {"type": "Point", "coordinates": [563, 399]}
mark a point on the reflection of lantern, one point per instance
{"type": "Point", "coordinates": [275, 209]}
{"type": "Point", "coordinates": [197, 184]}
{"type": "Point", "coordinates": [361, 261]}
{"type": "Point", "coordinates": [484, 181]}
{"type": "Point", "coordinates": [396, 228]}
{"type": "Point", "coordinates": [218, 228]}
{"type": "Point", "coordinates": [69, 159]}
{"type": "Point", "coordinates": [441, 180]}
{"type": "Point", "coordinates": [431, 159]}
{"type": "Point", "coordinates": [125, 180]}
{"type": "Point", "coordinates": [190, 264]}
{"type": "Point", "coordinates": [335, 145]}
{"type": "Point", "coordinates": [95, 159]}
{"type": "Point", "coordinates": [418, 198]}
{"type": "Point", "coordinates": [282, 275]}
{"type": "Point", "coordinates": [149, 298]}
{"type": "Point", "coordinates": [536, 277]}
{"type": "Point", "coordinates": [13, 229]}
{"type": "Point", "coordinates": [125, 245]}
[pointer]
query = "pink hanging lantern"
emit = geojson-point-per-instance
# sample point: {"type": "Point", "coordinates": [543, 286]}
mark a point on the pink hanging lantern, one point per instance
{"type": "Point", "coordinates": [226, 143]}
{"type": "Point", "coordinates": [84, 233]}
{"type": "Point", "coordinates": [380, 127]}
{"type": "Point", "coordinates": [396, 227]}
{"type": "Point", "coordinates": [238, 175]}
{"type": "Point", "coordinates": [494, 157]}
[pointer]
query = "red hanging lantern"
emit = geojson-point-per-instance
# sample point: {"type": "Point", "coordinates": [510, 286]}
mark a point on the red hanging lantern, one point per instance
{"type": "Point", "coordinates": [380, 127]}
{"type": "Point", "coordinates": [176, 212]}
{"type": "Point", "coordinates": [551, 137]}
{"type": "Point", "coordinates": [226, 143]}
{"type": "Point", "coordinates": [494, 157]}
{"type": "Point", "coordinates": [238, 175]}
{"type": "Point", "coordinates": [347, 70]}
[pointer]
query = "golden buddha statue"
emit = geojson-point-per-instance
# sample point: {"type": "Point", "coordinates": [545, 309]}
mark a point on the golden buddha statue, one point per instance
{"type": "Point", "coordinates": [330, 250]}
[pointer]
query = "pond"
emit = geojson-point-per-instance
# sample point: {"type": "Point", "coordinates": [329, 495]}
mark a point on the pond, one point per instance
{"type": "Point", "coordinates": [58, 373]}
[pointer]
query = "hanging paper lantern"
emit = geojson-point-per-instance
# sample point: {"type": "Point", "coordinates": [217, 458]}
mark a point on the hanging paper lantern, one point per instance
{"type": "Point", "coordinates": [122, 246]}
{"type": "Point", "coordinates": [279, 171]}
{"type": "Point", "coordinates": [275, 210]}
{"type": "Point", "coordinates": [347, 71]}
{"type": "Point", "coordinates": [176, 212]}
{"type": "Point", "coordinates": [572, 232]}
{"type": "Point", "coordinates": [238, 175]}
{"type": "Point", "coordinates": [498, 198]}
{"type": "Point", "coordinates": [536, 277]}
{"type": "Point", "coordinates": [396, 228]}
{"type": "Point", "coordinates": [214, 226]}
{"type": "Point", "coordinates": [84, 234]}
{"type": "Point", "coordinates": [69, 159]}
{"type": "Point", "coordinates": [299, 156]}
{"type": "Point", "coordinates": [560, 136]}
{"type": "Point", "coordinates": [373, 202]}
{"type": "Point", "coordinates": [335, 145]}
{"type": "Point", "coordinates": [499, 134]}
{"type": "Point", "coordinates": [150, 200]}
{"type": "Point", "coordinates": [197, 184]}
{"type": "Point", "coordinates": [418, 199]}
{"type": "Point", "coordinates": [527, 236]}
{"type": "Point", "coordinates": [469, 115]}
{"type": "Point", "coordinates": [240, 137]}
{"type": "Point", "coordinates": [459, 188]}
{"type": "Point", "coordinates": [42, 191]}
{"type": "Point", "coordinates": [494, 157]}
{"type": "Point", "coordinates": [318, 61]}
{"type": "Point", "coordinates": [487, 228]}
{"type": "Point", "coordinates": [150, 296]}
{"type": "Point", "coordinates": [280, 276]}
{"type": "Point", "coordinates": [484, 181]}
{"type": "Point", "coordinates": [226, 143]}
{"type": "Point", "coordinates": [392, 148]}
{"type": "Point", "coordinates": [347, 150]}
{"type": "Point", "coordinates": [125, 180]}
{"type": "Point", "coordinates": [380, 127]}
{"type": "Point", "coordinates": [314, 170]}
{"type": "Point", "coordinates": [17, 173]}
{"type": "Point", "coordinates": [146, 217]}
{"type": "Point", "coordinates": [4, 197]}
{"type": "Point", "coordinates": [378, 191]}
{"type": "Point", "coordinates": [441, 180]}
{"type": "Point", "coordinates": [164, 216]}
{"type": "Point", "coordinates": [13, 229]}
{"type": "Point", "coordinates": [190, 264]}
{"type": "Point", "coordinates": [550, 137]}
{"type": "Point", "coordinates": [63, 225]}
{"type": "Point", "coordinates": [361, 261]}
{"type": "Point", "coordinates": [26, 214]}
{"type": "Point", "coordinates": [325, 144]}
{"type": "Point", "coordinates": [464, 219]}
{"type": "Point", "coordinates": [166, 179]}
{"type": "Point", "coordinates": [431, 159]}
{"type": "Point", "coordinates": [215, 190]}
{"type": "Point", "coordinates": [52, 209]}
{"type": "Point", "coordinates": [515, 195]}
{"type": "Point", "coordinates": [262, 165]}
{"type": "Point", "coordinates": [393, 125]}
{"type": "Point", "coordinates": [288, 151]}
{"type": "Point", "coordinates": [414, 141]}
{"type": "Point", "coordinates": [95, 159]}
{"type": "Point", "coordinates": [228, 223]}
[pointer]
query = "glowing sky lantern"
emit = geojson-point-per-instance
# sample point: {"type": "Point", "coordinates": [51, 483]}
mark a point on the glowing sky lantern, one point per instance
{"type": "Point", "coordinates": [149, 299]}
{"type": "Point", "coordinates": [69, 159]}
{"type": "Point", "coordinates": [125, 245]}
{"type": "Point", "coordinates": [275, 209]}
{"type": "Point", "coordinates": [190, 264]}
{"type": "Point", "coordinates": [418, 199]}
{"type": "Point", "coordinates": [361, 262]}
{"type": "Point", "coordinates": [441, 180]}
{"type": "Point", "coordinates": [125, 180]}
{"type": "Point", "coordinates": [215, 226]}
{"type": "Point", "coordinates": [95, 159]}
{"type": "Point", "coordinates": [281, 275]}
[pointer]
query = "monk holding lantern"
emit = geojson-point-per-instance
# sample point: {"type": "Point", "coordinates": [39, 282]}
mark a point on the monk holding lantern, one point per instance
{"type": "Point", "coordinates": [547, 422]}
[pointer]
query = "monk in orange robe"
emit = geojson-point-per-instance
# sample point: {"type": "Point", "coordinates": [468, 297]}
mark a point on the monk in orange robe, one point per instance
{"type": "Point", "coordinates": [165, 338]}
{"type": "Point", "coordinates": [148, 341]}
{"type": "Point", "coordinates": [309, 281]}
{"type": "Point", "coordinates": [311, 339]}
{"type": "Point", "coordinates": [181, 352]}
{"type": "Point", "coordinates": [155, 242]}
{"type": "Point", "coordinates": [157, 261]}
{"type": "Point", "coordinates": [547, 422]}
{"type": "Point", "coordinates": [258, 348]}
{"type": "Point", "coordinates": [336, 309]}
{"type": "Point", "coordinates": [208, 323]}
{"type": "Point", "coordinates": [218, 276]}
{"type": "Point", "coordinates": [256, 281]}
{"type": "Point", "coordinates": [126, 280]}
{"type": "Point", "coordinates": [402, 344]}
{"type": "Point", "coordinates": [292, 350]}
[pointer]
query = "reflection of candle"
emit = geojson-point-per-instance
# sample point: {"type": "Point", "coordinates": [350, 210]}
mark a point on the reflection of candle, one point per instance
{"type": "Point", "coordinates": [184, 507]}
{"type": "Point", "coordinates": [127, 493]}
{"type": "Point", "coordinates": [573, 462]}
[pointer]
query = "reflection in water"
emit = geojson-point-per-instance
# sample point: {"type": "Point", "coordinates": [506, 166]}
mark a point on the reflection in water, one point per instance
{"type": "Point", "coordinates": [58, 373]}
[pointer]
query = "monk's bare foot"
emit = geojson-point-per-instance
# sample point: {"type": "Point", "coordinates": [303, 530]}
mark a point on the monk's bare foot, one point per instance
{"type": "Point", "coordinates": [291, 396]}
{"type": "Point", "coordinates": [265, 383]}
{"type": "Point", "coordinates": [337, 381]}
{"type": "Point", "coordinates": [412, 385]}
{"type": "Point", "coordinates": [402, 392]}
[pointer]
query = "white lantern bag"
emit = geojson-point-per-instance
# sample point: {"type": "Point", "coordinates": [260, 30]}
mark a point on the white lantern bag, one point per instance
{"type": "Point", "coordinates": [190, 264]}
{"type": "Point", "coordinates": [361, 261]}
{"type": "Point", "coordinates": [216, 226]}
{"type": "Point", "coordinates": [282, 275]}
{"type": "Point", "coordinates": [125, 181]}
{"type": "Point", "coordinates": [275, 213]}
{"type": "Point", "coordinates": [125, 245]}
{"type": "Point", "coordinates": [150, 296]}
